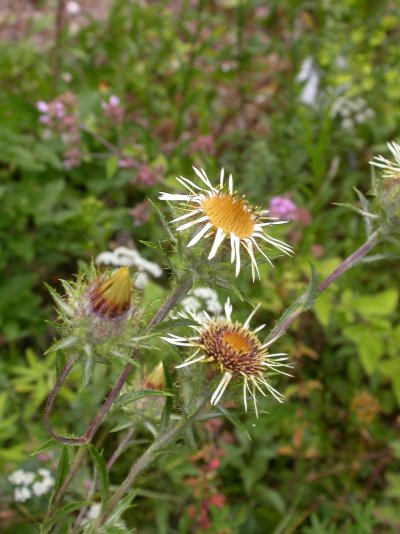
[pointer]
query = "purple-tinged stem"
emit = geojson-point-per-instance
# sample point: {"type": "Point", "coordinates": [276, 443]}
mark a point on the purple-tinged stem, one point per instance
{"type": "Point", "coordinates": [344, 266]}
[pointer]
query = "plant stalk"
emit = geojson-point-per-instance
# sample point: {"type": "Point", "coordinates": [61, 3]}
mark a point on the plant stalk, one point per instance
{"type": "Point", "coordinates": [146, 459]}
{"type": "Point", "coordinates": [350, 261]}
{"type": "Point", "coordinates": [182, 288]}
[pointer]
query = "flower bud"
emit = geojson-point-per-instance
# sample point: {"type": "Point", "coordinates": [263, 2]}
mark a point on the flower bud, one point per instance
{"type": "Point", "coordinates": [111, 298]}
{"type": "Point", "coordinates": [156, 379]}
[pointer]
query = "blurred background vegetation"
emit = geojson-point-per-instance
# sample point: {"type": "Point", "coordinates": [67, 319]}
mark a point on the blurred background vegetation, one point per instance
{"type": "Point", "coordinates": [102, 104]}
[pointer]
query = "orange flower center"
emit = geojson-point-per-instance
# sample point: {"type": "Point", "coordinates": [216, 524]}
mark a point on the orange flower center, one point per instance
{"type": "Point", "coordinates": [230, 214]}
{"type": "Point", "coordinates": [236, 341]}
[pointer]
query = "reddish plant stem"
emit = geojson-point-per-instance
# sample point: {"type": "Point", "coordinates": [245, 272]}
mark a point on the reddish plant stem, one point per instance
{"type": "Point", "coordinates": [182, 288]}
{"type": "Point", "coordinates": [350, 261]}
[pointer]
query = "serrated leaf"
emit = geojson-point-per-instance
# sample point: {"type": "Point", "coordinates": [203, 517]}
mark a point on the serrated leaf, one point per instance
{"type": "Point", "coordinates": [60, 302]}
{"type": "Point", "coordinates": [101, 468]}
{"type": "Point", "coordinates": [87, 370]}
{"type": "Point", "coordinates": [50, 444]}
{"type": "Point", "coordinates": [123, 505]}
{"type": "Point", "coordinates": [171, 324]}
{"type": "Point", "coordinates": [62, 344]}
{"type": "Point", "coordinates": [133, 396]}
{"type": "Point", "coordinates": [66, 509]}
{"type": "Point", "coordinates": [168, 405]}
{"type": "Point", "coordinates": [164, 222]}
{"type": "Point", "coordinates": [62, 469]}
{"type": "Point", "coordinates": [234, 420]}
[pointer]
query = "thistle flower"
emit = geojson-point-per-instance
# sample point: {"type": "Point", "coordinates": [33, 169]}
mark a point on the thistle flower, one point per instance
{"type": "Point", "coordinates": [223, 214]}
{"type": "Point", "coordinates": [388, 189]}
{"type": "Point", "coordinates": [112, 297]}
{"type": "Point", "coordinates": [95, 315]}
{"type": "Point", "coordinates": [235, 351]}
{"type": "Point", "coordinates": [391, 169]}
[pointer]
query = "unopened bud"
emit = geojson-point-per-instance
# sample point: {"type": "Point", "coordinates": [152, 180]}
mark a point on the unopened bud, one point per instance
{"type": "Point", "coordinates": [155, 380]}
{"type": "Point", "coordinates": [111, 298]}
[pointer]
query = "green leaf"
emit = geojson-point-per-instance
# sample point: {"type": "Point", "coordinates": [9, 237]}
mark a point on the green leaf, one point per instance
{"type": "Point", "coordinates": [62, 344]}
{"type": "Point", "coordinates": [369, 344]}
{"type": "Point", "coordinates": [234, 420]}
{"type": "Point", "coordinates": [87, 369]}
{"type": "Point", "coordinates": [60, 302]}
{"type": "Point", "coordinates": [62, 470]}
{"type": "Point", "coordinates": [132, 396]}
{"type": "Point", "coordinates": [66, 509]}
{"type": "Point", "coordinates": [168, 405]}
{"type": "Point", "coordinates": [171, 325]}
{"type": "Point", "coordinates": [50, 444]}
{"type": "Point", "coordinates": [111, 166]}
{"type": "Point", "coordinates": [101, 468]}
{"type": "Point", "coordinates": [322, 308]}
{"type": "Point", "coordinates": [381, 304]}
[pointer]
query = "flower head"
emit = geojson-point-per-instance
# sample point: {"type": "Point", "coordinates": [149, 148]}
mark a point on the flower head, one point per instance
{"type": "Point", "coordinates": [388, 188]}
{"type": "Point", "coordinates": [223, 214]}
{"type": "Point", "coordinates": [235, 351]}
{"type": "Point", "coordinates": [391, 169]}
{"type": "Point", "coordinates": [112, 297]}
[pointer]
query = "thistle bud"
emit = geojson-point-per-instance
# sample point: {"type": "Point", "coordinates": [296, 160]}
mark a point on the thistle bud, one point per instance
{"type": "Point", "coordinates": [155, 380]}
{"type": "Point", "coordinates": [111, 298]}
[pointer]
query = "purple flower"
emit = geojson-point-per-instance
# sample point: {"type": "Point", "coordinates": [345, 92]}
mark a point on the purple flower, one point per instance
{"type": "Point", "coordinates": [282, 208]}
{"type": "Point", "coordinates": [42, 107]}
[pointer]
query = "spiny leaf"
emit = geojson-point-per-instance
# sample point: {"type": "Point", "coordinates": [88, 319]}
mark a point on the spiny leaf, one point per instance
{"type": "Point", "coordinates": [168, 405]}
{"type": "Point", "coordinates": [66, 509]}
{"type": "Point", "coordinates": [60, 302]}
{"type": "Point", "coordinates": [50, 444]}
{"type": "Point", "coordinates": [62, 470]}
{"type": "Point", "coordinates": [101, 467]}
{"type": "Point", "coordinates": [132, 396]}
{"type": "Point", "coordinates": [234, 420]}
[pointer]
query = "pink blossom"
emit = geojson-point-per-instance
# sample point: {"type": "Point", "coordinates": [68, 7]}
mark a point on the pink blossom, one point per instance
{"type": "Point", "coordinates": [282, 208]}
{"type": "Point", "coordinates": [42, 106]}
{"type": "Point", "coordinates": [140, 213]}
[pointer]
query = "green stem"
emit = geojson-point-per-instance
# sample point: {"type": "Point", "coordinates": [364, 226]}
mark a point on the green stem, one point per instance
{"type": "Point", "coordinates": [181, 289]}
{"type": "Point", "coordinates": [146, 459]}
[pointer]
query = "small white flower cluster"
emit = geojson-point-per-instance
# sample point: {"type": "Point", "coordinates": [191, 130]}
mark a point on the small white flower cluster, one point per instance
{"type": "Point", "coordinates": [202, 298]}
{"type": "Point", "coordinates": [30, 483]}
{"type": "Point", "coordinates": [351, 111]}
{"type": "Point", "coordinates": [128, 257]}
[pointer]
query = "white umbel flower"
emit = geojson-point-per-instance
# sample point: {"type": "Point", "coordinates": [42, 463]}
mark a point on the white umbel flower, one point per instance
{"type": "Point", "coordinates": [390, 169]}
{"type": "Point", "coordinates": [235, 351]}
{"type": "Point", "coordinates": [222, 214]}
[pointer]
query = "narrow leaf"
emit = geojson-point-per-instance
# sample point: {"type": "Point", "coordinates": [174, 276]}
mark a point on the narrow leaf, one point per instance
{"type": "Point", "coordinates": [168, 405]}
{"type": "Point", "coordinates": [62, 470]}
{"type": "Point", "coordinates": [101, 468]}
{"type": "Point", "coordinates": [234, 420]}
{"type": "Point", "coordinates": [50, 444]}
{"type": "Point", "coordinates": [132, 396]}
{"type": "Point", "coordinates": [67, 509]}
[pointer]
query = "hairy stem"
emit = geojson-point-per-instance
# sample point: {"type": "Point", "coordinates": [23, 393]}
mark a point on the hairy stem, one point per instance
{"type": "Point", "coordinates": [146, 459]}
{"type": "Point", "coordinates": [350, 261]}
{"type": "Point", "coordinates": [181, 289]}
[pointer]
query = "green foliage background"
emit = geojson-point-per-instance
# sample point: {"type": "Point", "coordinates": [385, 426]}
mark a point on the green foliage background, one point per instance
{"type": "Point", "coordinates": [227, 70]}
